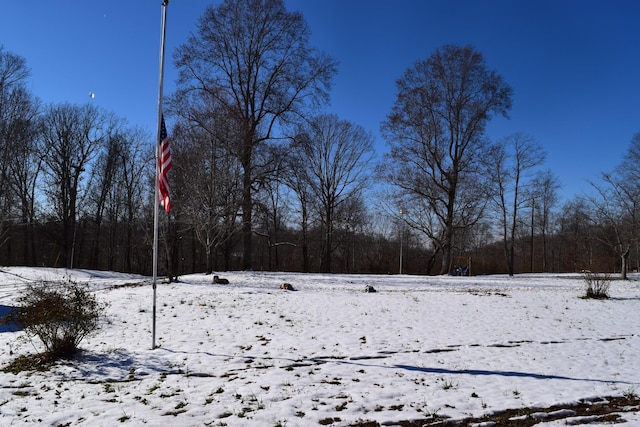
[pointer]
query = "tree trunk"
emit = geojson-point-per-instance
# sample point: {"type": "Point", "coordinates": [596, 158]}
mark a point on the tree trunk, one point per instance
{"type": "Point", "coordinates": [511, 262]}
{"type": "Point", "coordinates": [446, 259]}
{"type": "Point", "coordinates": [544, 252]}
{"type": "Point", "coordinates": [208, 269]}
{"type": "Point", "coordinates": [247, 208]}
{"type": "Point", "coordinates": [326, 261]}
{"type": "Point", "coordinates": [508, 256]}
{"type": "Point", "coordinates": [448, 240]}
{"type": "Point", "coordinates": [624, 258]}
{"type": "Point", "coordinates": [305, 246]}
{"type": "Point", "coordinates": [447, 246]}
{"type": "Point", "coordinates": [432, 260]}
{"type": "Point", "coordinates": [127, 249]}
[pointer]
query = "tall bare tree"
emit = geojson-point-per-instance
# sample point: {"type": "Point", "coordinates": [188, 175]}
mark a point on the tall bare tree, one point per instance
{"type": "Point", "coordinates": [616, 209]}
{"type": "Point", "coordinates": [545, 188]}
{"type": "Point", "coordinates": [336, 154]}
{"type": "Point", "coordinates": [511, 166]}
{"type": "Point", "coordinates": [208, 172]}
{"type": "Point", "coordinates": [351, 222]}
{"type": "Point", "coordinates": [72, 137]}
{"type": "Point", "coordinates": [24, 171]}
{"type": "Point", "coordinates": [273, 212]}
{"type": "Point", "coordinates": [629, 174]}
{"type": "Point", "coordinates": [578, 239]}
{"type": "Point", "coordinates": [436, 130]}
{"type": "Point", "coordinates": [136, 160]}
{"type": "Point", "coordinates": [104, 199]}
{"type": "Point", "coordinates": [114, 195]}
{"type": "Point", "coordinates": [254, 57]}
{"type": "Point", "coordinates": [296, 177]}
{"type": "Point", "coordinates": [208, 178]}
{"type": "Point", "coordinates": [18, 125]}
{"type": "Point", "coordinates": [617, 205]}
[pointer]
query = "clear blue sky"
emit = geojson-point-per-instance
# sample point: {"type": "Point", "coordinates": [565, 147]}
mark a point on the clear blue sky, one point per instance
{"type": "Point", "coordinates": [574, 65]}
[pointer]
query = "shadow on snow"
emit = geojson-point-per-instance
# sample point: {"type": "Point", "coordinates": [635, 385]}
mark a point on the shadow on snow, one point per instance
{"type": "Point", "coordinates": [5, 313]}
{"type": "Point", "coordinates": [479, 372]}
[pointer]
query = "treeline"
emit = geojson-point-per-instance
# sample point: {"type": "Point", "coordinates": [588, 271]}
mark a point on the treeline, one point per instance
{"type": "Point", "coordinates": [574, 245]}
{"type": "Point", "coordinates": [264, 179]}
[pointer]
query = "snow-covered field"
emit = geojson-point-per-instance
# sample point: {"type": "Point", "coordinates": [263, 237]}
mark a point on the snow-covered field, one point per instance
{"type": "Point", "coordinates": [328, 353]}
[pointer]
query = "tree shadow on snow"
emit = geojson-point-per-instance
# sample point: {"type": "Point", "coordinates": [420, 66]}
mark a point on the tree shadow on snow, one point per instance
{"type": "Point", "coordinates": [479, 372]}
{"type": "Point", "coordinates": [6, 324]}
{"type": "Point", "coordinates": [116, 365]}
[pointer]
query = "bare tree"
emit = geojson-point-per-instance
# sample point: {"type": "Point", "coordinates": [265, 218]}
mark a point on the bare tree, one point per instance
{"type": "Point", "coordinates": [114, 195]}
{"type": "Point", "coordinates": [24, 170]}
{"type": "Point", "coordinates": [629, 174]}
{"type": "Point", "coordinates": [336, 154]}
{"type": "Point", "coordinates": [545, 188]}
{"type": "Point", "coordinates": [510, 165]}
{"type": "Point", "coordinates": [616, 208]}
{"type": "Point", "coordinates": [104, 199]}
{"type": "Point", "coordinates": [136, 161]}
{"type": "Point", "coordinates": [617, 205]}
{"type": "Point", "coordinates": [436, 133]}
{"type": "Point", "coordinates": [18, 125]}
{"type": "Point", "coordinates": [273, 211]}
{"type": "Point", "coordinates": [72, 137]}
{"type": "Point", "coordinates": [272, 207]}
{"type": "Point", "coordinates": [577, 229]}
{"type": "Point", "coordinates": [351, 220]}
{"type": "Point", "coordinates": [296, 177]}
{"type": "Point", "coordinates": [254, 57]}
{"type": "Point", "coordinates": [208, 172]}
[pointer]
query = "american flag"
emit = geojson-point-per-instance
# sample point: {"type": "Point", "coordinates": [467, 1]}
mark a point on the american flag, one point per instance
{"type": "Point", "coordinates": [164, 164]}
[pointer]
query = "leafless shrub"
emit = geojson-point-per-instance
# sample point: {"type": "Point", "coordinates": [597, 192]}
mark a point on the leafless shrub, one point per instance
{"type": "Point", "coordinates": [596, 285]}
{"type": "Point", "coordinates": [60, 314]}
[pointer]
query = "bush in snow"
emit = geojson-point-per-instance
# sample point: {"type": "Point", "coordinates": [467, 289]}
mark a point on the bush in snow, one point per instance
{"type": "Point", "coordinates": [61, 315]}
{"type": "Point", "coordinates": [596, 285]}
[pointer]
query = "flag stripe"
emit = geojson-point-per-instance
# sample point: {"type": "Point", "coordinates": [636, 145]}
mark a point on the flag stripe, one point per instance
{"type": "Point", "coordinates": [164, 164]}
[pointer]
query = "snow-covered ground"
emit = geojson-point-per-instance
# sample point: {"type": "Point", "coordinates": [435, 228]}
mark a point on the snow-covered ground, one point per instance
{"type": "Point", "coordinates": [249, 353]}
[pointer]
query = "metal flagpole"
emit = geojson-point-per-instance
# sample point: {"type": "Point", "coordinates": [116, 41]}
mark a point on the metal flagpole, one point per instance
{"type": "Point", "coordinates": [165, 3]}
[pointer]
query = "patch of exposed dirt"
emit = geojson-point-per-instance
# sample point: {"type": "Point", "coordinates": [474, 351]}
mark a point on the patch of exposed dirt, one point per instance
{"type": "Point", "coordinates": [609, 410]}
